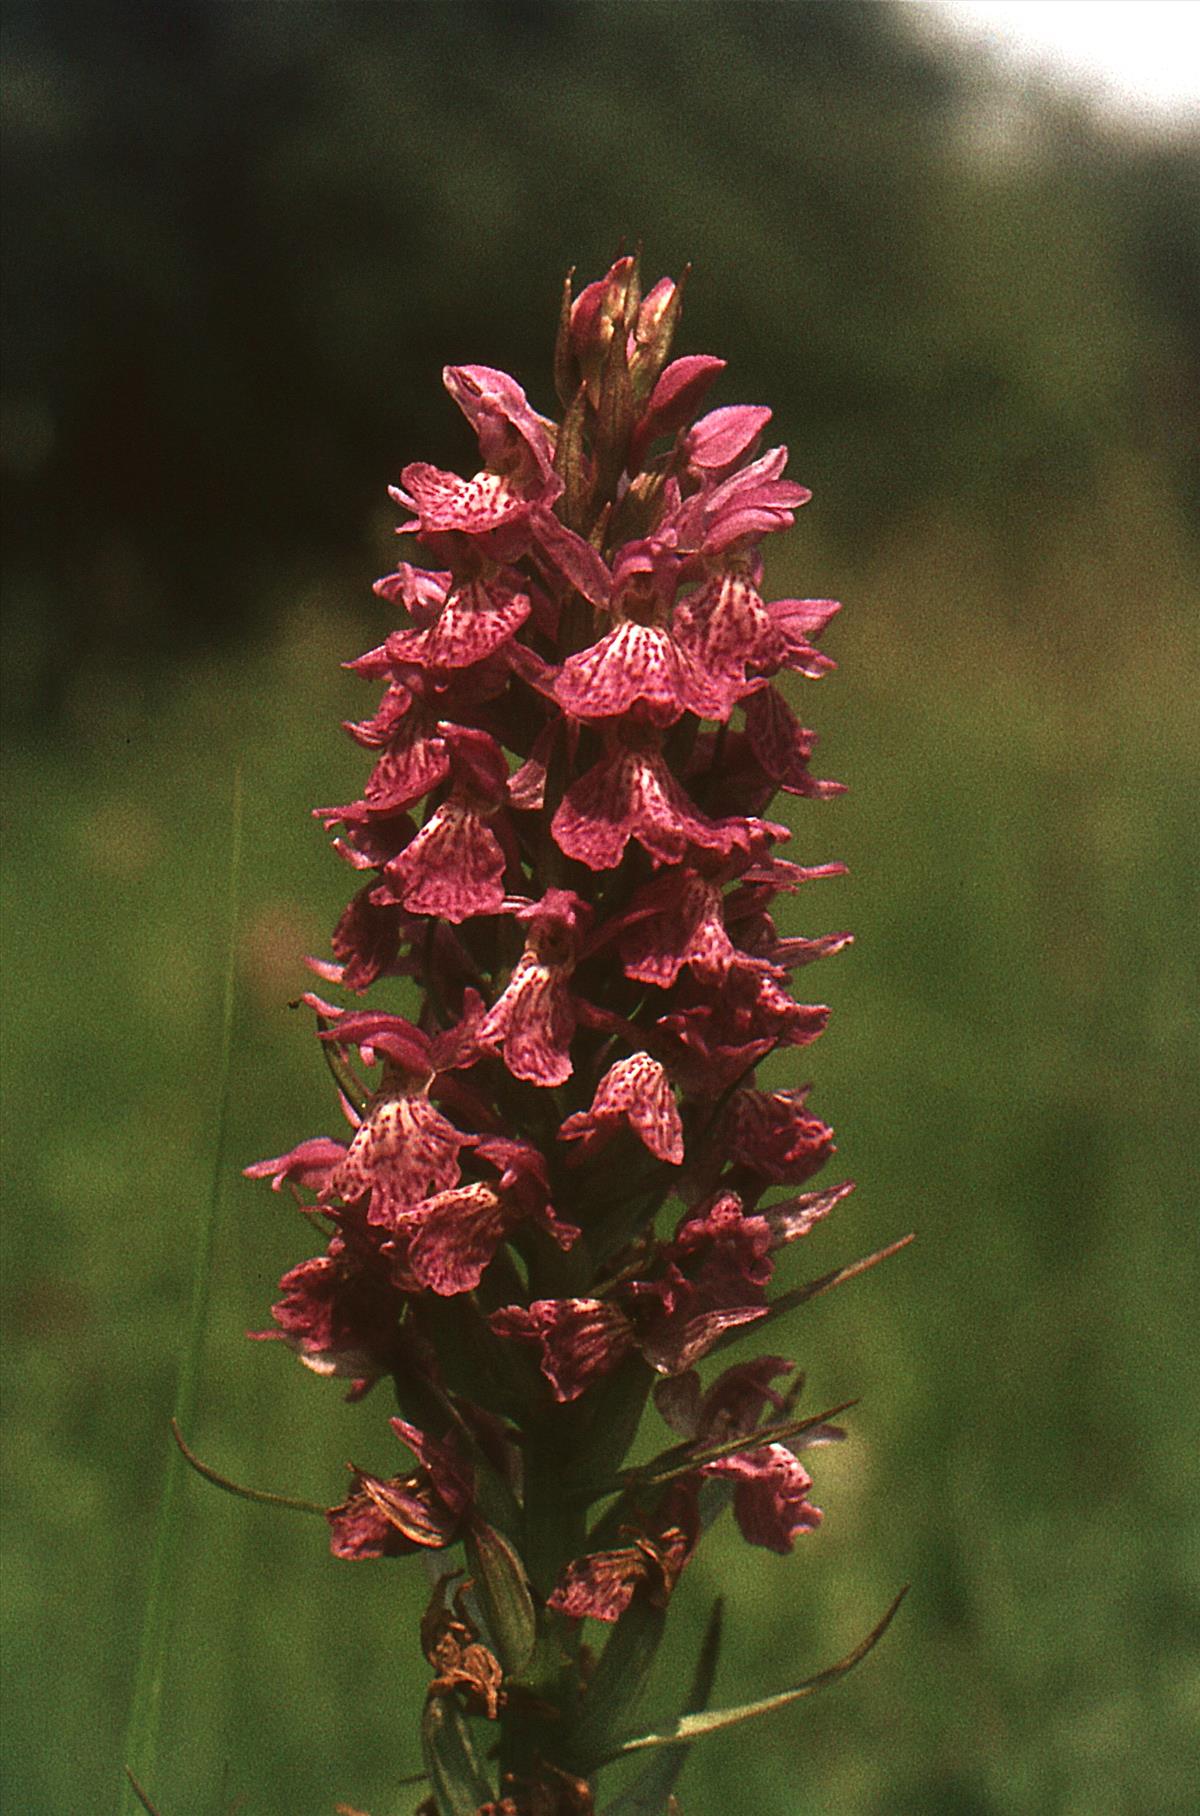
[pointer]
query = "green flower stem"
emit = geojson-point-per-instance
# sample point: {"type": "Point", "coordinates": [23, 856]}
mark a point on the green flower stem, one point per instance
{"type": "Point", "coordinates": [555, 1529]}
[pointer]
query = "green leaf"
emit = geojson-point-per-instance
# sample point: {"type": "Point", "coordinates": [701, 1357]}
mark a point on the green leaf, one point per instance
{"type": "Point", "coordinates": [614, 1409]}
{"type": "Point", "coordinates": [800, 1295]}
{"type": "Point", "coordinates": [458, 1330]}
{"type": "Point", "coordinates": [459, 1782]}
{"type": "Point", "coordinates": [617, 1685]}
{"type": "Point", "coordinates": [650, 1790]}
{"type": "Point", "coordinates": [695, 1727]}
{"type": "Point", "coordinates": [504, 1597]}
{"type": "Point", "coordinates": [682, 1459]}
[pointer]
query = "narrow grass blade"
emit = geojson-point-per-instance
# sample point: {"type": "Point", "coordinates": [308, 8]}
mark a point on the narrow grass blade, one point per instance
{"type": "Point", "coordinates": [800, 1295]}
{"type": "Point", "coordinates": [141, 1738]}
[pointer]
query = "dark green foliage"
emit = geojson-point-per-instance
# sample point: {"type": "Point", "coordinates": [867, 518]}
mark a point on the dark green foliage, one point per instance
{"type": "Point", "coordinates": [283, 219]}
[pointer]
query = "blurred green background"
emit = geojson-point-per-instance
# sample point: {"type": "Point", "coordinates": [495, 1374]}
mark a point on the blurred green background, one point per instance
{"type": "Point", "coordinates": [242, 240]}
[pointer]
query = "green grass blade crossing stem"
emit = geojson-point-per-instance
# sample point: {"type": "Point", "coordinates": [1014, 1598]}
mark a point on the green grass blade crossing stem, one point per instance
{"type": "Point", "coordinates": [141, 1738]}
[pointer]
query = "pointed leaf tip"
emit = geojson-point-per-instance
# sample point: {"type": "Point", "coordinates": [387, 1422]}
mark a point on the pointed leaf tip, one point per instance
{"type": "Point", "coordinates": [695, 1727]}
{"type": "Point", "coordinates": [685, 1459]}
{"type": "Point", "coordinates": [800, 1295]}
{"type": "Point", "coordinates": [261, 1495]}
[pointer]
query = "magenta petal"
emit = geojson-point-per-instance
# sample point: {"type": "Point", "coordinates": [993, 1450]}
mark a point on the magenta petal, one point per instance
{"type": "Point", "coordinates": [678, 391]}
{"type": "Point", "coordinates": [773, 1134]}
{"type": "Point", "coordinates": [495, 406]}
{"type": "Point", "coordinates": [372, 1522]}
{"type": "Point", "coordinates": [679, 922]}
{"type": "Point", "coordinates": [525, 1185]}
{"type": "Point", "coordinates": [783, 746]}
{"type": "Point", "coordinates": [587, 316]}
{"type": "Point", "coordinates": [404, 1151]}
{"type": "Point", "coordinates": [794, 1217]}
{"type": "Point", "coordinates": [724, 435]}
{"type": "Point", "coordinates": [419, 590]}
{"type": "Point", "coordinates": [372, 839]}
{"type": "Point", "coordinates": [575, 559]}
{"type": "Point", "coordinates": [638, 1092]}
{"type": "Point", "coordinates": [676, 1347]}
{"type": "Point", "coordinates": [456, 1234]}
{"type": "Point", "coordinates": [477, 763]}
{"type": "Point", "coordinates": [725, 627]}
{"type": "Point", "coordinates": [533, 1019]}
{"type": "Point", "coordinates": [751, 502]}
{"type": "Point", "coordinates": [769, 1499]}
{"type": "Point", "coordinates": [526, 786]}
{"type": "Point", "coordinates": [443, 501]}
{"type": "Point", "coordinates": [738, 1398]}
{"type": "Point", "coordinates": [377, 1035]}
{"type": "Point", "coordinates": [340, 1313]}
{"type": "Point", "coordinates": [477, 618]}
{"type": "Point", "coordinates": [600, 1586]}
{"type": "Point", "coordinates": [603, 1583]}
{"type": "Point", "coordinates": [631, 793]}
{"type": "Point", "coordinates": [413, 763]}
{"type": "Point", "coordinates": [366, 939]}
{"type": "Point", "coordinates": [310, 1165]}
{"type": "Point", "coordinates": [395, 706]}
{"type": "Point", "coordinates": [798, 621]}
{"type": "Point", "coordinates": [380, 1519]}
{"type": "Point", "coordinates": [678, 1399]}
{"type": "Point", "coordinates": [738, 1021]}
{"type": "Point", "coordinates": [454, 867]}
{"type": "Point", "coordinates": [447, 1474]}
{"type": "Point", "coordinates": [639, 665]}
{"type": "Point", "coordinates": [532, 1023]}
{"type": "Point", "coordinates": [728, 1245]}
{"type": "Point", "coordinates": [581, 1339]}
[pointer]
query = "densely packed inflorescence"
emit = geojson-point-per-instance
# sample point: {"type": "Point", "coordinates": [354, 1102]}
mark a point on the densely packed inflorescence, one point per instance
{"type": "Point", "coordinates": [567, 880]}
